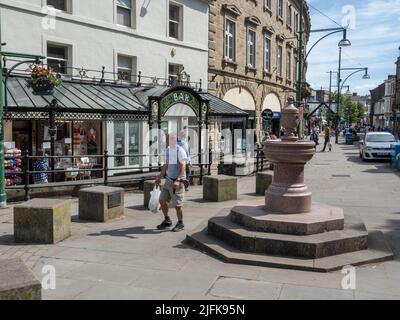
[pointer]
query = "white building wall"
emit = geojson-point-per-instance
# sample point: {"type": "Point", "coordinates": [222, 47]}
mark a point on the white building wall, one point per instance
{"type": "Point", "coordinates": [96, 39]}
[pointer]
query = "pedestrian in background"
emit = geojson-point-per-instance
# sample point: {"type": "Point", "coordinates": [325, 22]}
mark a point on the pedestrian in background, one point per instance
{"type": "Point", "coordinates": [184, 144]}
{"type": "Point", "coordinates": [41, 164]}
{"type": "Point", "coordinates": [327, 133]}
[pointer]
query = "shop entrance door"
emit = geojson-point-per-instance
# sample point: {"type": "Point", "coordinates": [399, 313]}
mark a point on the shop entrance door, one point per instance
{"type": "Point", "coordinates": [181, 117]}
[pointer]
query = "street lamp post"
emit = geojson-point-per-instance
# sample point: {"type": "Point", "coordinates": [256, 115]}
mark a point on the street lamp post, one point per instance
{"type": "Point", "coordinates": [343, 43]}
{"type": "Point", "coordinates": [341, 85]}
{"type": "Point", "coordinates": [3, 103]}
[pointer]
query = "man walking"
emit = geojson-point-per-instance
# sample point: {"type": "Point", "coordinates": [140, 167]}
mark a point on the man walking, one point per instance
{"type": "Point", "coordinates": [174, 170]}
{"type": "Point", "coordinates": [327, 138]}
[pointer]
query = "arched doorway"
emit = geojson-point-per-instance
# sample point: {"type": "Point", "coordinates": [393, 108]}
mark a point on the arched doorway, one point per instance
{"type": "Point", "coordinates": [272, 103]}
{"type": "Point", "coordinates": [242, 98]}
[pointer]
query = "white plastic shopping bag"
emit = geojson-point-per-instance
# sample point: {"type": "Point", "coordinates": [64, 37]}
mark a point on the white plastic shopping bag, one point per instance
{"type": "Point", "coordinates": [154, 203]}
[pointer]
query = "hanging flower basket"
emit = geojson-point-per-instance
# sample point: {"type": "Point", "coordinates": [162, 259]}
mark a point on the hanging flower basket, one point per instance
{"type": "Point", "coordinates": [43, 81]}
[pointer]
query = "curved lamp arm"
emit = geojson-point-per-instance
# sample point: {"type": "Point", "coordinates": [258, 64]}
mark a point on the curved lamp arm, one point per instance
{"type": "Point", "coordinates": [325, 36]}
{"type": "Point", "coordinates": [351, 74]}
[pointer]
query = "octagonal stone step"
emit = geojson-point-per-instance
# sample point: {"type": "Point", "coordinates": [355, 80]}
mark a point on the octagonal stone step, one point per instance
{"type": "Point", "coordinates": [378, 251]}
{"type": "Point", "coordinates": [353, 238]}
{"type": "Point", "coordinates": [253, 215]}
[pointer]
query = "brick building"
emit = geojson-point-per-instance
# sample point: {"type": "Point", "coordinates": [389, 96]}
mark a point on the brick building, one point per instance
{"type": "Point", "coordinates": [252, 54]}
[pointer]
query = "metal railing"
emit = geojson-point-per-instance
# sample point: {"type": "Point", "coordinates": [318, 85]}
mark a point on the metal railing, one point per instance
{"type": "Point", "coordinates": [94, 172]}
{"type": "Point", "coordinates": [261, 162]}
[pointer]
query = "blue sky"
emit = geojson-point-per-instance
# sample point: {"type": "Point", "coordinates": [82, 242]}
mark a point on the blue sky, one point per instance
{"type": "Point", "coordinates": [375, 35]}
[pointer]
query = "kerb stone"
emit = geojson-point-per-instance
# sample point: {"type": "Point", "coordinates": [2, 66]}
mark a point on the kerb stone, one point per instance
{"type": "Point", "coordinates": [219, 188]}
{"type": "Point", "coordinates": [101, 204]}
{"type": "Point", "coordinates": [46, 221]}
{"type": "Point", "coordinates": [17, 282]}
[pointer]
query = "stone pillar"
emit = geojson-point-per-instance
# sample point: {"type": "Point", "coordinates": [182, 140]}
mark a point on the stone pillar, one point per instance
{"type": "Point", "coordinates": [288, 192]}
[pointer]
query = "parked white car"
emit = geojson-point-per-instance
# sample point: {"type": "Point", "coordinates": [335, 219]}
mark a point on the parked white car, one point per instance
{"type": "Point", "coordinates": [377, 145]}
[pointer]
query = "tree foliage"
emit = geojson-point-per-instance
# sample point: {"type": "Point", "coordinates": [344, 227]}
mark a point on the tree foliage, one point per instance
{"type": "Point", "coordinates": [350, 110]}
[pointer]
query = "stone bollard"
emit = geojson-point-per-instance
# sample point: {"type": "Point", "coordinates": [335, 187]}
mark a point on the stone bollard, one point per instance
{"type": "Point", "coordinates": [46, 221]}
{"type": "Point", "coordinates": [219, 188]}
{"type": "Point", "coordinates": [17, 282]}
{"type": "Point", "coordinates": [263, 181]}
{"type": "Point", "coordinates": [101, 204]}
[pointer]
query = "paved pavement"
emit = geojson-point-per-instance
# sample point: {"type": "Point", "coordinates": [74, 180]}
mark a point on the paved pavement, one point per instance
{"type": "Point", "coordinates": [129, 259]}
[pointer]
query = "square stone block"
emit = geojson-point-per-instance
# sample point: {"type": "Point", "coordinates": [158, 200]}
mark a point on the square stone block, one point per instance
{"type": "Point", "coordinates": [101, 204]}
{"type": "Point", "coordinates": [263, 181]}
{"type": "Point", "coordinates": [17, 282]}
{"type": "Point", "coordinates": [45, 221]}
{"type": "Point", "coordinates": [219, 188]}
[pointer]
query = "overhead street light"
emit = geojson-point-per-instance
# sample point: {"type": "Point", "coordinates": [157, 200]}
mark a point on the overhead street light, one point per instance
{"type": "Point", "coordinates": [366, 75]}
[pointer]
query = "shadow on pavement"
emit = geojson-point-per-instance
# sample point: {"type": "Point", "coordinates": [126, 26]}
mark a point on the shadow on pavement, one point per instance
{"type": "Point", "coordinates": [138, 208]}
{"type": "Point", "coordinates": [128, 232]}
{"type": "Point", "coordinates": [8, 239]}
{"type": "Point", "coordinates": [392, 235]}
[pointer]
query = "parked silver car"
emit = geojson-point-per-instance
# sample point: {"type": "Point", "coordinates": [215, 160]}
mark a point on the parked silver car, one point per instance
{"type": "Point", "coordinates": [377, 145]}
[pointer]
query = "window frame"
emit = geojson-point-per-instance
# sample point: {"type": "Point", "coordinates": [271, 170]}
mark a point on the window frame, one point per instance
{"type": "Point", "coordinates": [174, 77]}
{"type": "Point", "coordinates": [132, 11]}
{"type": "Point", "coordinates": [254, 46]}
{"type": "Point", "coordinates": [180, 22]}
{"type": "Point", "coordinates": [289, 64]}
{"type": "Point", "coordinates": [268, 4]}
{"type": "Point", "coordinates": [133, 62]}
{"type": "Point", "coordinates": [280, 9]}
{"type": "Point", "coordinates": [267, 66]}
{"type": "Point", "coordinates": [296, 22]}
{"type": "Point", "coordinates": [226, 43]}
{"type": "Point", "coordinates": [68, 53]}
{"type": "Point", "coordinates": [289, 16]}
{"type": "Point", "coordinates": [68, 6]}
{"type": "Point", "coordinates": [279, 60]}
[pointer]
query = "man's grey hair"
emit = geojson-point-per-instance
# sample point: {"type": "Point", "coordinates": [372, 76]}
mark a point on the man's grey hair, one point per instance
{"type": "Point", "coordinates": [182, 135]}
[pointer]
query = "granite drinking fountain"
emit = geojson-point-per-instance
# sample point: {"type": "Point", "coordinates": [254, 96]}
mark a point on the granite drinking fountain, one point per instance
{"type": "Point", "coordinates": [287, 229]}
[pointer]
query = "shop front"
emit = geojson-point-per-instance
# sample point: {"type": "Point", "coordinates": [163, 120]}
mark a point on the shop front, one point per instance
{"type": "Point", "coordinates": [271, 102]}
{"type": "Point", "coordinates": [73, 125]}
{"type": "Point", "coordinates": [83, 119]}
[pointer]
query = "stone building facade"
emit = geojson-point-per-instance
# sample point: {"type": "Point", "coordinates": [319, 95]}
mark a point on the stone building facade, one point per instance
{"type": "Point", "coordinates": [252, 54]}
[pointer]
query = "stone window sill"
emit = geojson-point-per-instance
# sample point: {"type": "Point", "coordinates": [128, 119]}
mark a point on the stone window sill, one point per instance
{"type": "Point", "coordinates": [251, 69]}
{"type": "Point", "coordinates": [230, 63]}
{"type": "Point", "coordinates": [267, 73]}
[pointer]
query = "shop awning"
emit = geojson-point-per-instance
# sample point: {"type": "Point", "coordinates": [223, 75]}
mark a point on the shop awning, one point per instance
{"type": "Point", "coordinates": [221, 108]}
{"type": "Point", "coordinates": [76, 101]}
{"type": "Point", "coordinates": [90, 100]}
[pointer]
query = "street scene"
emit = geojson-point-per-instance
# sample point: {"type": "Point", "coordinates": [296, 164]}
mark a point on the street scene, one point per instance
{"type": "Point", "coordinates": [194, 150]}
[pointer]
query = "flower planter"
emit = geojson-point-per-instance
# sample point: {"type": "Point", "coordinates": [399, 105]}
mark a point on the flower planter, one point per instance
{"type": "Point", "coordinates": [43, 81]}
{"type": "Point", "coordinates": [43, 89]}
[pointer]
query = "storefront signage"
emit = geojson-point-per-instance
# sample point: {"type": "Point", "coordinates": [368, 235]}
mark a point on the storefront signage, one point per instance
{"type": "Point", "coordinates": [277, 115]}
{"type": "Point", "coordinates": [180, 97]}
